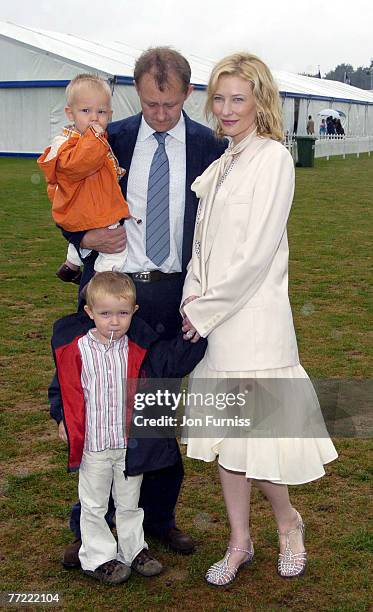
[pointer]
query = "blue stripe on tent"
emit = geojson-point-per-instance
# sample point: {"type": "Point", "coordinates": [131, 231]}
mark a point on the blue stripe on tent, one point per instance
{"type": "Point", "coordinates": [23, 84]}
{"type": "Point", "coordinates": [5, 154]}
{"type": "Point", "coordinates": [287, 94]}
{"type": "Point", "coordinates": [125, 80]}
{"type": "Point", "coordinates": [199, 87]}
{"type": "Point", "coordinates": [118, 80]}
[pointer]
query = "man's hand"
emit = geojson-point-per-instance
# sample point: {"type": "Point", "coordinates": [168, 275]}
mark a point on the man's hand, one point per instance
{"type": "Point", "coordinates": [105, 240]}
{"type": "Point", "coordinates": [62, 432]}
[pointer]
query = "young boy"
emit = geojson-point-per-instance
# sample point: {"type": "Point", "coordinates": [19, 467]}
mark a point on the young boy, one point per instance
{"type": "Point", "coordinates": [98, 358]}
{"type": "Point", "coordinates": [82, 173]}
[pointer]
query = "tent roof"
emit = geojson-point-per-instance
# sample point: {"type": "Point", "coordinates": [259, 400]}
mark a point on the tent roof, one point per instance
{"type": "Point", "coordinates": [310, 86]}
{"type": "Point", "coordinates": [113, 58]}
{"type": "Point", "coordinates": [117, 59]}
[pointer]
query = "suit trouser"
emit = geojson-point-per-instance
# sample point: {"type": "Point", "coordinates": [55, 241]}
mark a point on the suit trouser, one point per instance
{"type": "Point", "coordinates": [100, 473]}
{"type": "Point", "coordinates": [159, 306]}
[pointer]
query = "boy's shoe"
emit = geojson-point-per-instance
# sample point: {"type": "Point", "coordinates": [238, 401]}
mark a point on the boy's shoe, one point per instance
{"type": "Point", "coordinates": [111, 572]}
{"type": "Point", "coordinates": [70, 558]}
{"type": "Point", "coordinates": [68, 275]}
{"type": "Point", "coordinates": [145, 565]}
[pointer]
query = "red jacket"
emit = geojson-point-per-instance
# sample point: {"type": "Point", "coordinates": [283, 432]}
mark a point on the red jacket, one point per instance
{"type": "Point", "coordinates": [148, 358]}
{"type": "Point", "coordinates": [69, 368]}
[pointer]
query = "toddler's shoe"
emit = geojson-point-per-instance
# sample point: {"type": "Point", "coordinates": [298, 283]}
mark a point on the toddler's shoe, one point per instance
{"type": "Point", "coordinates": [68, 275]}
{"type": "Point", "coordinates": [111, 572]}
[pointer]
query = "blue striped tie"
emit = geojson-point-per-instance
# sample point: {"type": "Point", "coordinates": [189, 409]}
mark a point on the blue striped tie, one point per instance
{"type": "Point", "coordinates": [157, 211]}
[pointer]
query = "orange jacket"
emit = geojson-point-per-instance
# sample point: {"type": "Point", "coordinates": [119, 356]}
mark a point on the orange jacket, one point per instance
{"type": "Point", "coordinates": [82, 181]}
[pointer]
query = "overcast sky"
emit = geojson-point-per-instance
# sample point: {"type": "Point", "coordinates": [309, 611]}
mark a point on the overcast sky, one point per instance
{"type": "Point", "coordinates": [297, 36]}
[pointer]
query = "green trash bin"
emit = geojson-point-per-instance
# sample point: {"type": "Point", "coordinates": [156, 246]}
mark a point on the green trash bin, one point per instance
{"type": "Point", "coordinates": [306, 151]}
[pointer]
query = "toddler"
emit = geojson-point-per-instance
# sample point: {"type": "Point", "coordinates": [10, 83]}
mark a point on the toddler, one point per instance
{"type": "Point", "coordinates": [82, 173]}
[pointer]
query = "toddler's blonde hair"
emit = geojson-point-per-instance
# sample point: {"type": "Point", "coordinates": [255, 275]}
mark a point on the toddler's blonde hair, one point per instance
{"type": "Point", "coordinates": [86, 80]}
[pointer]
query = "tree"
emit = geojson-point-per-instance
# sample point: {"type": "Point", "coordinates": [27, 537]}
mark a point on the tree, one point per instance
{"type": "Point", "coordinates": [339, 73]}
{"type": "Point", "coordinates": [345, 73]}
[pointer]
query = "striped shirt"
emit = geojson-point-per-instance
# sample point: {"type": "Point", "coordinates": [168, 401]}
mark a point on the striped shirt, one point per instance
{"type": "Point", "coordinates": [104, 382]}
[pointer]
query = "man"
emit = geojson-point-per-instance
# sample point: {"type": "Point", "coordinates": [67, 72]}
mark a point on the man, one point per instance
{"type": "Point", "coordinates": [310, 125]}
{"type": "Point", "coordinates": [162, 136]}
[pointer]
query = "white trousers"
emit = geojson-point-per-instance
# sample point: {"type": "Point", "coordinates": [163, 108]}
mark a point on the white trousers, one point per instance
{"type": "Point", "coordinates": [105, 262]}
{"type": "Point", "coordinates": [98, 472]}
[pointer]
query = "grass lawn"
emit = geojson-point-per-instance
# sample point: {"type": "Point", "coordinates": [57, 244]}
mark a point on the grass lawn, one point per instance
{"type": "Point", "coordinates": [329, 231]}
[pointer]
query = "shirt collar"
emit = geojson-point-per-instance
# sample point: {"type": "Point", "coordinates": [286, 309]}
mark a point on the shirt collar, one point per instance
{"type": "Point", "coordinates": [70, 131]}
{"type": "Point", "coordinates": [177, 132]}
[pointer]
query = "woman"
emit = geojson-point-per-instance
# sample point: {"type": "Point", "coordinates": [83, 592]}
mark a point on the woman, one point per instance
{"type": "Point", "coordinates": [339, 128]}
{"type": "Point", "coordinates": [235, 294]}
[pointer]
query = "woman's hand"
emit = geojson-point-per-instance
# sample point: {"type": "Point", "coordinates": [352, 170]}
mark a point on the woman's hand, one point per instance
{"type": "Point", "coordinates": [190, 332]}
{"type": "Point", "coordinates": [62, 432]}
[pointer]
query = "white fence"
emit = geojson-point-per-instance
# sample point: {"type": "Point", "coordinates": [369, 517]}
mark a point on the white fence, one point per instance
{"type": "Point", "coordinates": [329, 145]}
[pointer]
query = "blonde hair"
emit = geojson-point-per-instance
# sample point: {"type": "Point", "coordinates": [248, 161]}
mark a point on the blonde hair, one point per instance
{"type": "Point", "coordinates": [115, 284]}
{"type": "Point", "coordinates": [268, 105]}
{"type": "Point", "coordinates": [86, 80]}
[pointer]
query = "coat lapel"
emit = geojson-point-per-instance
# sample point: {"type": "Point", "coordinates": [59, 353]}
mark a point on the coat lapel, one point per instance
{"type": "Point", "coordinates": [204, 186]}
{"type": "Point", "coordinates": [123, 144]}
{"type": "Point", "coordinates": [193, 160]}
{"type": "Point", "coordinates": [217, 204]}
{"type": "Point", "coordinates": [129, 139]}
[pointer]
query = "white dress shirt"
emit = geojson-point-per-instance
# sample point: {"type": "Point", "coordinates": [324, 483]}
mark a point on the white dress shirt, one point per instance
{"type": "Point", "coordinates": [137, 191]}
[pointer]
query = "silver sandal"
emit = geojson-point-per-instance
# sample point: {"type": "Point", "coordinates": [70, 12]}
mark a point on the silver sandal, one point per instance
{"type": "Point", "coordinates": [290, 564]}
{"type": "Point", "coordinates": [220, 574]}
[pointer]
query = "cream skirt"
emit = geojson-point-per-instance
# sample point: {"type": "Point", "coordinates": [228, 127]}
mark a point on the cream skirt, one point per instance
{"type": "Point", "coordinates": [286, 441]}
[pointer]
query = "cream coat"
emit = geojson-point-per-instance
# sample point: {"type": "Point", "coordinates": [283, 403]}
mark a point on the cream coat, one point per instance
{"type": "Point", "coordinates": [241, 274]}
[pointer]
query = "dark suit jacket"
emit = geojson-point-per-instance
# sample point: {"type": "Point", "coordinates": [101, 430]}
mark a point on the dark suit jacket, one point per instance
{"type": "Point", "coordinates": [202, 148]}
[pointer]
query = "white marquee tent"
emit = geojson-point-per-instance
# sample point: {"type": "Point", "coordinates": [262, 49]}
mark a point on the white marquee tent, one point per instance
{"type": "Point", "coordinates": [36, 66]}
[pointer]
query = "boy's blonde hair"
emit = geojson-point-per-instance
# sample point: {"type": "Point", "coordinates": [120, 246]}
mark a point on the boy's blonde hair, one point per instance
{"type": "Point", "coordinates": [115, 284]}
{"type": "Point", "coordinates": [268, 105]}
{"type": "Point", "coordinates": [86, 80]}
